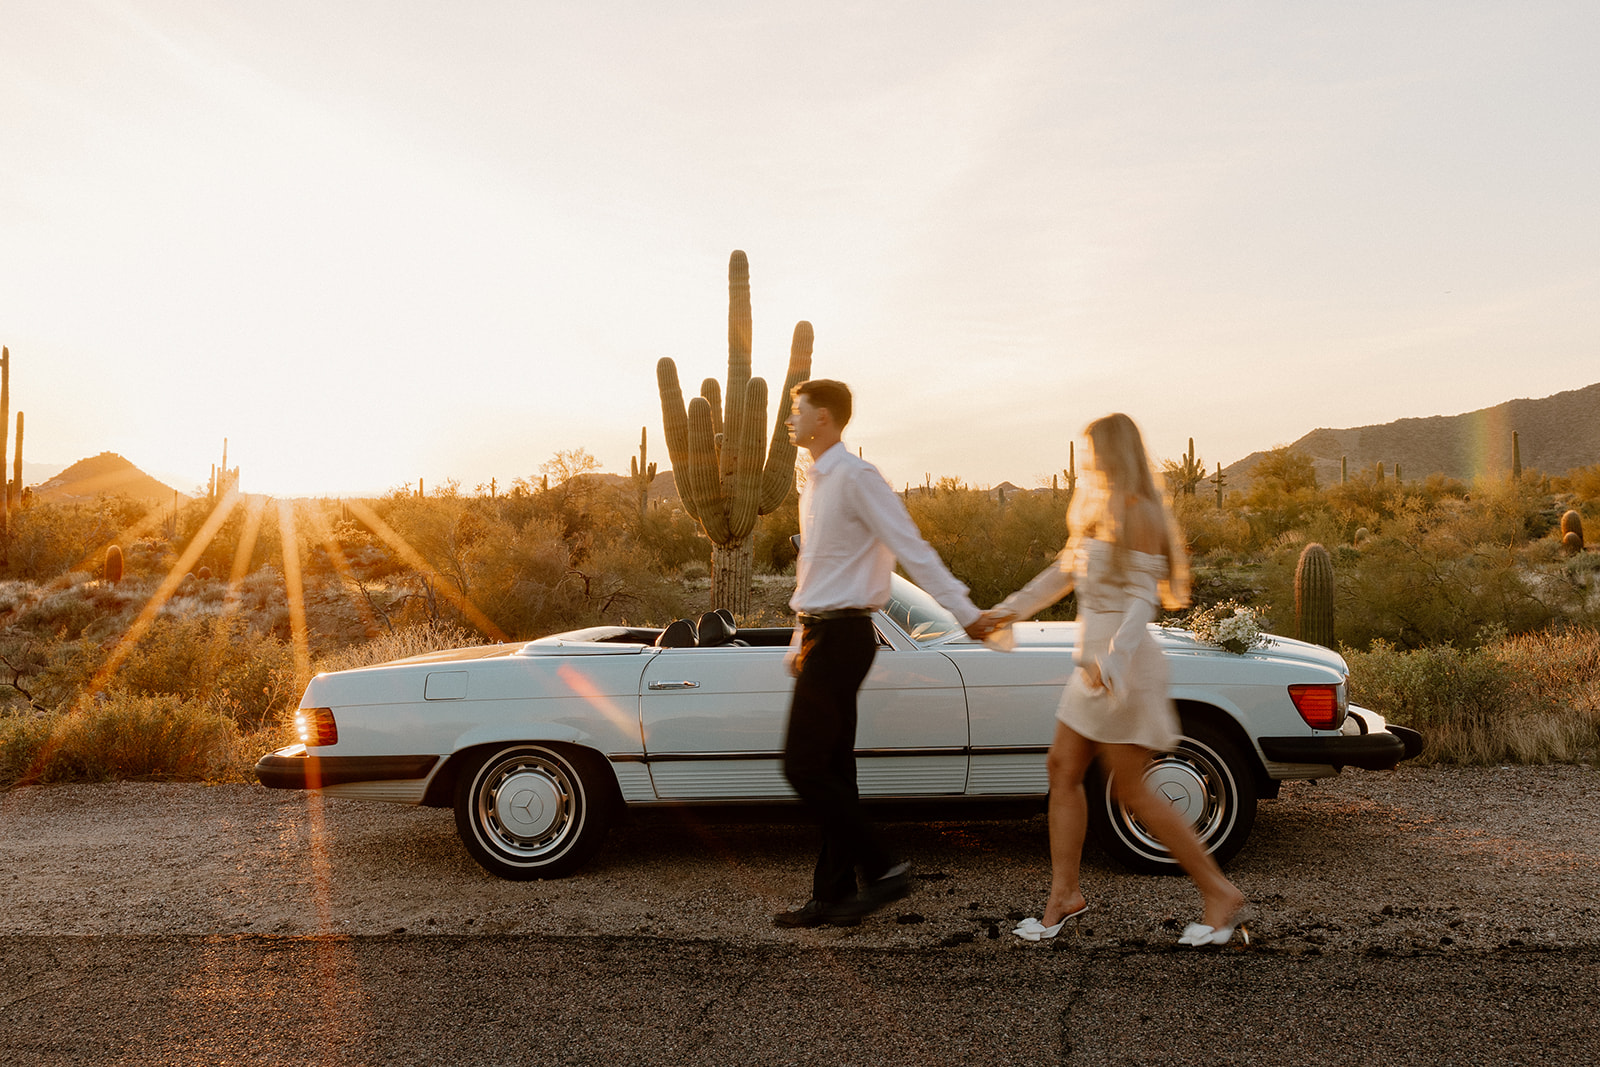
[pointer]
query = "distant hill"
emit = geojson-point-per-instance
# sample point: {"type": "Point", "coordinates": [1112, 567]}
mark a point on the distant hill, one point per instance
{"type": "Point", "coordinates": [107, 473]}
{"type": "Point", "coordinates": [1555, 434]}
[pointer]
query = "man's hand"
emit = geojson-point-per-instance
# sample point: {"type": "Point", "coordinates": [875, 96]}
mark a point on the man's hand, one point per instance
{"type": "Point", "coordinates": [989, 622]}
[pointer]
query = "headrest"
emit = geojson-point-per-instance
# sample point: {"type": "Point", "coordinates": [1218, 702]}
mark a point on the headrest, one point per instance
{"type": "Point", "coordinates": [680, 634]}
{"type": "Point", "coordinates": [716, 628]}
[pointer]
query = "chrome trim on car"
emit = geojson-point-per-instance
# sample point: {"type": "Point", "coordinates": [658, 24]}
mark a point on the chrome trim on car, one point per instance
{"type": "Point", "coordinates": [713, 757]}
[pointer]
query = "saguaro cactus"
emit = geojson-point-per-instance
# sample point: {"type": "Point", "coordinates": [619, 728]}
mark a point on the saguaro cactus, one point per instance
{"type": "Point", "coordinates": [113, 567]}
{"type": "Point", "coordinates": [642, 473]}
{"type": "Point", "coordinates": [1313, 596]}
{"type": "Point", "coordinates": [5, 418]}
{"type": "Point", "coordinates": [1516, 455]}
{"type": "Point", "coordinates": [727, 470]}
{"type": "Point", "coordinates": [16, 468]}
{"type": "Point", "coordinates": [1189, 472]}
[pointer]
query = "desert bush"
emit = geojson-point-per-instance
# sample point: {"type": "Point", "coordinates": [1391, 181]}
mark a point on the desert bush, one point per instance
{"type": "Point", "coordinates": [120, 736]}
{"type": "Point", "coordinates": [774, 551]}
{"type": "Point", "coordinates": [47, 540]}
{"type": "Point", "coordinates": [994, 548]}
{"type": "Point", "coordinates": [399, 644]}
{"type": "Point", "coordinates": [24, 743]}
{"type": "Point", "coordinates": [1525, 699]}
{"type": "Point", "coordinates": [674, 540]}
{"type": "Point", "coordinates": [247, 539]}
{"type": "Point", "coordinates": [1209, 529]}
{"type": "Point", "coordinates": [219, 662]}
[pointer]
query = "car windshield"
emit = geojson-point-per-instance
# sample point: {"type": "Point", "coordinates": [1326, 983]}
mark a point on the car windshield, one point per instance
{"type": "Point", "coordinates": [918, 614]}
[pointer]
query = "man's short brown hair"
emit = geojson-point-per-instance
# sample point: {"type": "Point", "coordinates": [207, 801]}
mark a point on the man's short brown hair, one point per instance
{"type": "Point", "coordinates": [827, 393]}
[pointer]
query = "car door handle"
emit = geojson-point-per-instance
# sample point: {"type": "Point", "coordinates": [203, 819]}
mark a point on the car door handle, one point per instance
{"type": "Point", "coordinates": [674, 685]}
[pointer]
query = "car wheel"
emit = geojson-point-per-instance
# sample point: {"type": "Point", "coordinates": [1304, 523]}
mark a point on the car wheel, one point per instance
{"type": "Point", "coordinates": [533, 811]}
{"type": "Point", "coordinates": [1206, 777]}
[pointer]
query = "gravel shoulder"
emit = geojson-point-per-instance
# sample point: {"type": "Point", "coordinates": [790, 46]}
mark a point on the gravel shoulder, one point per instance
{"type": "Point", "coordinates": [1415, 860]}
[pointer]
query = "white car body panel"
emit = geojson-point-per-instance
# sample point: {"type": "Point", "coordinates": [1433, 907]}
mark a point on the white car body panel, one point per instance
{"type": "Point", "coordinates": [940, 718]}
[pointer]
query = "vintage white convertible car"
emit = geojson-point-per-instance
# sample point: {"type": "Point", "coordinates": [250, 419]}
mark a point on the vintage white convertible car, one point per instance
{"type": "Point", "coordinates": [539, 745]}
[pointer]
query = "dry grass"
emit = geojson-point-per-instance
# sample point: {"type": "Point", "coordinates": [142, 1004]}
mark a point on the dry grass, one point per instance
{"type": "Point", "coordinates": [120, 736]}
{"type": "Point", "coordinates": [1529, 698]}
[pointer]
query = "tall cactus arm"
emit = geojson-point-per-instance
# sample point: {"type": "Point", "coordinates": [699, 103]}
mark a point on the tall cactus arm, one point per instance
{"type": "Point", "coordinates": [711, 389]}
{"type": "Point", "coordinates": [675, 427]}
{"type": "Point", "coordinates": [732, 427]}
{"type": "Point", "coordinates": [703, 480]}
{"type": "Point", "coordinates": [744, 502]}
{"type": "Point", "coordinates": [777, 481]}
{"type": "Point", "coordinates": [740, 334]}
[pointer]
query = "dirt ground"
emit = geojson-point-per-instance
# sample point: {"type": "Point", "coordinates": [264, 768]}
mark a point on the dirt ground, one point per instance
{"type": "Point", "coordinates": [1420, 859]}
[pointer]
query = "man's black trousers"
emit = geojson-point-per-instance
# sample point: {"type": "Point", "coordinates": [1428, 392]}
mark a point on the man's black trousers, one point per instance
{"type": "Point", "coordinates": [819, 752]}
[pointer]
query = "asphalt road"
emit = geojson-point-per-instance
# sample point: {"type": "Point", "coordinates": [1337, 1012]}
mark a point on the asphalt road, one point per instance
{"type": "Point", "coordinates": [1432, 916]}
{"type": "Point", "coordinates": [617, 1001]}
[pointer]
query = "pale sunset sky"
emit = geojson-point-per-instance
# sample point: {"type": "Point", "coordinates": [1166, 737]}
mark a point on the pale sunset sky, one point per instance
{"type": "Point", "coordinates": [372, 241]}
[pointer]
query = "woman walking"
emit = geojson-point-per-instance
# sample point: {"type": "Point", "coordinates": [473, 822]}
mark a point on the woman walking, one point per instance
{"type": "Point", "coordinates": [1126, 560]}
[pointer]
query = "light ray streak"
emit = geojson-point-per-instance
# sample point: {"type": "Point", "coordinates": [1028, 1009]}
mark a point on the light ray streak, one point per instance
{"type": "Point", "coordinates": [626, 723]}
{"type": "Point", "coordinates": [255, 509]}
{"type": "Point", "coordinates": [163, 593]}
{"type": "Point", "coordinates": [294, 589]}
{"type": "Point", "coordinates": [415, 561]}
{"type": "Point", "coordinates": [341, 565]}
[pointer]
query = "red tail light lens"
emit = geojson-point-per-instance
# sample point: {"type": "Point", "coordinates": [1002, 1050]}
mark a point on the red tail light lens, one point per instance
{"type": "Point", "coordinates": [1323, 707]}
{"type": "Point", "coordinates": [316, 727]}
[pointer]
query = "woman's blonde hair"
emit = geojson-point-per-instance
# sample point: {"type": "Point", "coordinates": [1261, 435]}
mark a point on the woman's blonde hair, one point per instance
{"type": "Point", "coordinates": [1119, 469]}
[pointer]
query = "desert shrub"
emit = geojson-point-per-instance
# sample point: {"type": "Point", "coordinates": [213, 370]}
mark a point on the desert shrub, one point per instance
{"type": "Point", "coordinates": [63, 614]}
{"type": "Point", "coordinates": [248, 537]}
{"type": "Point", "coordinates": [399, 644]}
{"type": "Point", "coordinates": [24, 742]}
{"type": "Point", "coordinates": [1531, 698]}
{"type": "Point", "coordinates": [994, 548]}
{"type": "Point", "coordinates": [1209, 529]}
{"type": "Point", "coordinates": [123, 736]}
{"type": "Point", "coordinates": [50, 539]}
{"type": "Point", "coordinates": [774, 551]}
{"type": "Point", "coordinates": [219, 662]}
{"type": "Point", "coordinates": [674, 540]}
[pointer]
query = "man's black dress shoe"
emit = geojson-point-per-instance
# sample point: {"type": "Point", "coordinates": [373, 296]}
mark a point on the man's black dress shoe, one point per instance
{"type": "Point", "coordinates": [895, 884]}
{"type": "Point", "coordinates": [811, 913]}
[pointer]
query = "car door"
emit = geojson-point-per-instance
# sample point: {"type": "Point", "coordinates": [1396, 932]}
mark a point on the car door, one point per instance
{"type": "Point", "coordinates": [1012, 699]}
{"type": "Point", "coordinates": [713, 721]}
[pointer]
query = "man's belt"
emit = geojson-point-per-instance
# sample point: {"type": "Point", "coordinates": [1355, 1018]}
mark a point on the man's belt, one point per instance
{"type": "Point", "coordinates": [808, 617]}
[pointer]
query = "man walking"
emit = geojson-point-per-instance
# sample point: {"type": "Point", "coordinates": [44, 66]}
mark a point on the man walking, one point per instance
{"type": "Point", "coordinates": [853, 526]}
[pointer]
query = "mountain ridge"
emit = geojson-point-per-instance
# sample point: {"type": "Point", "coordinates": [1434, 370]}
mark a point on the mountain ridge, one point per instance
{"type": "Point", "coordinates": [1554, 434]}
{"type": "Point", "coordinates": [107, 473]}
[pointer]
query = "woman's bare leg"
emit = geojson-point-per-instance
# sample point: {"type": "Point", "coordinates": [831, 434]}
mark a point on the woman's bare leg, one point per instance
{"type": "Point", "coordinates": [1126, 764]}
{"type": "Point", "coordinates": [1068, 762]}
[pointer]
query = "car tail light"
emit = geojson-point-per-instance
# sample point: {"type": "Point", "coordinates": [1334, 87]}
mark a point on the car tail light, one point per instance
{"type": "Point", "coordinates": [1323, 707]}
{"type": "Point", "coordinates": [316, 727]}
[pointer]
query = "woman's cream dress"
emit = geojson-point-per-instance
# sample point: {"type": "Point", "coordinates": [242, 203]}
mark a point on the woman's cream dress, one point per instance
{"type": "Point", "coordinates": [1113, 612]}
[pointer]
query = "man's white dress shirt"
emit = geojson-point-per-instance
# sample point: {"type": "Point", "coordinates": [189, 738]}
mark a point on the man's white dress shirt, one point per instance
{"type": "Point", "coordinates": [853, 526]}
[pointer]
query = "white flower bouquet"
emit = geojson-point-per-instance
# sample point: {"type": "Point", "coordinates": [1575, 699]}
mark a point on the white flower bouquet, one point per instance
{"type": "Point", "coordinates": [1229, 625]}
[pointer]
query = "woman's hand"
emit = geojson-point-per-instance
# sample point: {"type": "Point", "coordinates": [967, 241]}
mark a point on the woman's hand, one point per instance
{"type": "Point", "coordinates": [1091, 676]}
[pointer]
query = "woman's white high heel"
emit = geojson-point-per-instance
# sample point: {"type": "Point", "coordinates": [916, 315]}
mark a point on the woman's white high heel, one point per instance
{"type": "Point", "coordinates": [1199, 934]}
{"type": "Point", "coordinates": [1031, 929]}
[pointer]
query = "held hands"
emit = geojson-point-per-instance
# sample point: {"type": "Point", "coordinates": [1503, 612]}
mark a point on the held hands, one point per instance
{"type": "Point", "coordinates": [990, 621]}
